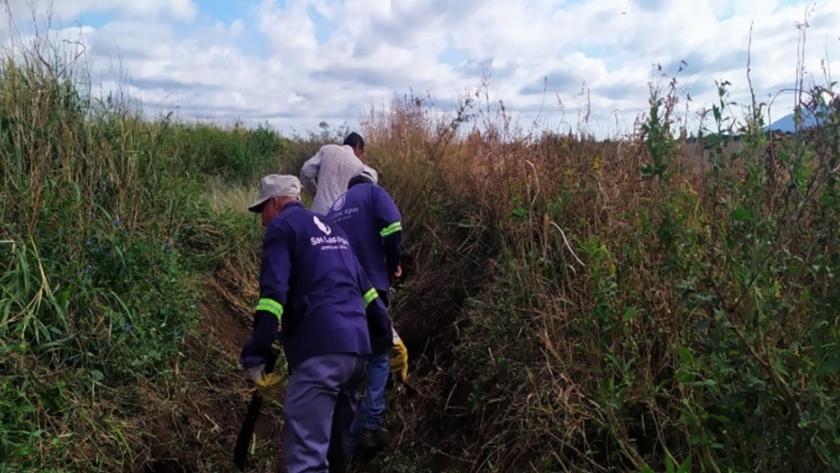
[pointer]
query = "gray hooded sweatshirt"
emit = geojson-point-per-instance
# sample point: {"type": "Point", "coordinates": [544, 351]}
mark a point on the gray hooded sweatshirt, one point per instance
{"type": "Point", "coordinates": [327, 173]}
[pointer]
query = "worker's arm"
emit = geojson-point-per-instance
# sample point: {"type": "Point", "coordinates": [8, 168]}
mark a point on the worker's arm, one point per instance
{"type": "Point", "coordinates": [382, 332]}
{"type": "Point", "coordinates": [309, 172]}
{"type": "Point", "coordinates": [389, 224]}
{"type": "Point", "coordinates": [379, 323]}
{"type": "Point", "coordinates": [378, 320]}
{"type": "Point", "coordinates": [274, 285]}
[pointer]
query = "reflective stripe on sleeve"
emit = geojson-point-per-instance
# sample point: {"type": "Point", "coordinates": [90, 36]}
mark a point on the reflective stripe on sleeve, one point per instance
{"type": "Point", "coordinates": [370, 296]}
{"type": "Point", "coordinates": [390, 229]}
{"type": "Point", "coordinates": [270, 305]}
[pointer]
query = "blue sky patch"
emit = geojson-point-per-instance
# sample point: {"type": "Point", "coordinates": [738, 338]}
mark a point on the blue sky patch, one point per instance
{"type": "Point", "coordinates": [322, 30]}
{"type": "Point", "coordinates": [453, 56]}
{"type": "Point", "coordinates": [226, 11]}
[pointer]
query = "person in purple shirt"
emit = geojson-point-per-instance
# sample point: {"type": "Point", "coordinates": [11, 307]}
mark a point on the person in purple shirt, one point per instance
{"type": "Point", "coordinates": [373, 224]}
{"type": "Point", "coordinates": [314, 291]}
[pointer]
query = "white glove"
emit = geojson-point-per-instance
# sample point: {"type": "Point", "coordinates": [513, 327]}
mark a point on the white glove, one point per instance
{"type": "Point", "coordinates": [257, 372]}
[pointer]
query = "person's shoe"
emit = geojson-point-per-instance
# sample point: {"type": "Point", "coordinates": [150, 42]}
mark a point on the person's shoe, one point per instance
{"type": "Point", "coordinates": [375, 439]}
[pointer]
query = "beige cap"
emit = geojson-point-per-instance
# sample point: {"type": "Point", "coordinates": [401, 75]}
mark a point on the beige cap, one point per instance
{"type": "Point", "coordinates": [281, 185]}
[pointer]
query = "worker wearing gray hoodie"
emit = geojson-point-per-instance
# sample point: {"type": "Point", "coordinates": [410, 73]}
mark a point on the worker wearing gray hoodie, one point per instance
{"type": "Point", "coordinates": [326, 174]}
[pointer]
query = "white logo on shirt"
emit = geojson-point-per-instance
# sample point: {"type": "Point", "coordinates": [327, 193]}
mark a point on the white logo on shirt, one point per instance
{"type": "Point", "coordinates": [339, 203]}
{"type": "Point", "coordinates": [321, 225]}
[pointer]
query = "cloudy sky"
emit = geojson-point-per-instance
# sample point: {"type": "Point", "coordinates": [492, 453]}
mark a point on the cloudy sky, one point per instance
{"type": "Point", "coordinates": [296, 63]}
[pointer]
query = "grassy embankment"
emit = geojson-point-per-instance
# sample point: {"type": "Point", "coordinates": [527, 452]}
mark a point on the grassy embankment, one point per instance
{"type": "Point", "coordinates": [568, 304]}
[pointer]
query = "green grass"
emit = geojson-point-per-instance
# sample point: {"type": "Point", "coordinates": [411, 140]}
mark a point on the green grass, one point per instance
{"type": "Point", "coordinates": [107, 235]}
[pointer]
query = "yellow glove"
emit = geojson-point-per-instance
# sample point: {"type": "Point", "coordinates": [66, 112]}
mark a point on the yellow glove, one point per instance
{"type": "Point", "coordinates": [268, 384]}
{"type": "Point", "coordinates": [398, 360]}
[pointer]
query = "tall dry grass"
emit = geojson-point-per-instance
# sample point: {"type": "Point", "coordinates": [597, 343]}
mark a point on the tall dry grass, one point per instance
{"type": "Point", "coordinates": [576, 305]}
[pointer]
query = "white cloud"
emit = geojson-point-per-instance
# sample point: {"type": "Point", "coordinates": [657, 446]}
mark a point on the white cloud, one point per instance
{"type": "Point", "coordinates": [67, 10]}
{"type": "Point", "coordinates": [299, 62]}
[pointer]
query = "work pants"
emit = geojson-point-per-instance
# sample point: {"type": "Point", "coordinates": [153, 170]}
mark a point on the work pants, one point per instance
{"type": "Point", "coordinates": [319, 406]}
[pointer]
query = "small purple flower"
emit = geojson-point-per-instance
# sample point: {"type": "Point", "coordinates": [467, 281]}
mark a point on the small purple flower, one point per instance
{"type": "Point", "coordinates": [175, 332]}
{"type": "Point", "coordinates": [96, 250]}
{"type": "Point", "coordinates": [117, 222]}
{"type": "Point", "coordinates": [127, 326]}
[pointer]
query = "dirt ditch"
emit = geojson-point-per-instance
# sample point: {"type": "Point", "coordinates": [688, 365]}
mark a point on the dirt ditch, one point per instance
{"type": "Point", "coordinates": [196, 430]}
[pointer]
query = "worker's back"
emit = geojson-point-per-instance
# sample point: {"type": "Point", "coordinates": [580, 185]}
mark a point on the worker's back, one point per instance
{"type": "Point", "coordinates": [367, 214]}
{"type": "Point", "coordinates": [325, 308]}
{"type": "Point", "coordinates": [326, 174]}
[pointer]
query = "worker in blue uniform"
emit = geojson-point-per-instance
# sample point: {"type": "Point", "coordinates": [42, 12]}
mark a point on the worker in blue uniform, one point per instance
{"type": "Point", "coordinates": [373, 224]}
{"type": "Point", "coordinates": [314, 291]}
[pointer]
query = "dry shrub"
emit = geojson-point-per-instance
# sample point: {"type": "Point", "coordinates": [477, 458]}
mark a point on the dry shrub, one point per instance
{"type": "Point", "coordinates": [568, 300]}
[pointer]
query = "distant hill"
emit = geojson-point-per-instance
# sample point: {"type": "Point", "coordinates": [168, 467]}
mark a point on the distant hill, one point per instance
{"type": "Point", "coordinates": [786, 125]}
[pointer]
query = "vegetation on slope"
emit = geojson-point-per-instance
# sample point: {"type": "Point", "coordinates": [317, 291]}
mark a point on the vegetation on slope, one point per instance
{"type": "Point", "coordinates": [106, 237]}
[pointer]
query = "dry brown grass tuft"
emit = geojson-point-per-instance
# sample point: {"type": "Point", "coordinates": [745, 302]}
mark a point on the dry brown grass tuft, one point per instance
{"type": "Point", "coordinates": [544, 311]}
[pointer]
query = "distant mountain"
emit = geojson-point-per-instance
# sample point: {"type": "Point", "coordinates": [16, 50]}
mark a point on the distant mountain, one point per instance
{"type": "Point", "coordinates": [786, 125]}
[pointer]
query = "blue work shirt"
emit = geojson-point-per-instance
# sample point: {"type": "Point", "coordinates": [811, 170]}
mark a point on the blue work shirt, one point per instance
{"type": "Point", "coordinates": [313, 285]}
{"type": "Point", "coordinates": [372, 222]}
